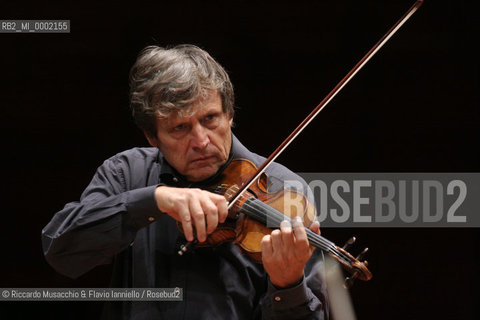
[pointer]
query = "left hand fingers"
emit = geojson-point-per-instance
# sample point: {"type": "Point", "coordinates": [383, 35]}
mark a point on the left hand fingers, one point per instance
{"type": "Point", "coordinates": [288, 239]}
{"type": "Point", "coordinates": [302, 248]}
{"type": "Point", "coordinates": [291, 242]}
{"type": "Point", "coordinates": [315, 227]}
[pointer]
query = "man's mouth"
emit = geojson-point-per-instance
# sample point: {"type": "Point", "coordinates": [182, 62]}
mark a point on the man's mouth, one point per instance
{"type": "Point", "coordinates": [203, 158]}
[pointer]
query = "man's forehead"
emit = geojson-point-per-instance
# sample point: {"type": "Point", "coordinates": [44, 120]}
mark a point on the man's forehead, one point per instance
{"type": "Point", "coordinates": [203, 106]}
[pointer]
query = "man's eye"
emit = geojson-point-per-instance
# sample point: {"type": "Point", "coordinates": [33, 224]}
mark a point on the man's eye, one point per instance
{"type": "Point", "coordinates": [180, 127]}
{"type": "Point", "coordinates": [210, 117]}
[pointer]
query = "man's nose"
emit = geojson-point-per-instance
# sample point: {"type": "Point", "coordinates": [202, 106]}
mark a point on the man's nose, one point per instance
{"type": "Point", "coordinates": [200, 139]}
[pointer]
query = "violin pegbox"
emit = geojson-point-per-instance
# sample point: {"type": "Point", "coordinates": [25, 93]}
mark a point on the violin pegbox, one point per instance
{"type": "Point", "coordinates": [359, 271]}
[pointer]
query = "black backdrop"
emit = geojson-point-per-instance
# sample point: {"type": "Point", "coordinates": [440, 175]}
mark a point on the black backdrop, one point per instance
{"type": "Point", "coordinates": [414, 108]}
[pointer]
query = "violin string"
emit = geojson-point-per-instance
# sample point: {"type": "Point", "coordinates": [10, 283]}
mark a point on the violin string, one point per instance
{"type": "Point", "coordinates": [314, 238]}
{"type": "Point", "coordinates": [277, 217]}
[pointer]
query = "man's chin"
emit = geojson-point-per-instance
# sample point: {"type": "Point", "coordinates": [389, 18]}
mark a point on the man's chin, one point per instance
{"type": "Point", "coordinates": [201, 174]}
{"type": "Point", "coordinates": [202, 170]}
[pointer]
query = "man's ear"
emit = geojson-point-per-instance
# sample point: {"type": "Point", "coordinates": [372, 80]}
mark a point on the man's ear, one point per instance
{"type": "Point", "coordinates": [151, 139]}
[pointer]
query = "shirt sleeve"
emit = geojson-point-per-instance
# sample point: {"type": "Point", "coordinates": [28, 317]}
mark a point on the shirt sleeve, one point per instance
{"type": "Point", "coordinates": [104, 222]}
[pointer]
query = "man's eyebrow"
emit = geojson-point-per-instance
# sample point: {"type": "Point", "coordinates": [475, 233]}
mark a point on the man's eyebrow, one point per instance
{"type": "Point", "coordinates": [214, 111]}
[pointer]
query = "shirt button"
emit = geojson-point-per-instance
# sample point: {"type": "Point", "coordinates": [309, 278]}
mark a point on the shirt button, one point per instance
{"type": "Point", "coordinates": [175, 179]}
{"type": "Point", "coordinates": [151, 219]}
{"type": "Point", "coordinates": [277, 298]}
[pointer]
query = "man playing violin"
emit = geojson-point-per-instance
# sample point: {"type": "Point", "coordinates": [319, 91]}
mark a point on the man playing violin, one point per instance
{"type": "Point", "coordinates": [182, 99]}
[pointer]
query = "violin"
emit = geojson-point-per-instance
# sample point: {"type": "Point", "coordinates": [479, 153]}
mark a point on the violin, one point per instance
{"type": "Point", "coordinates": [252, 207]}
{"type": "Point", "coordinates": [258, 208]}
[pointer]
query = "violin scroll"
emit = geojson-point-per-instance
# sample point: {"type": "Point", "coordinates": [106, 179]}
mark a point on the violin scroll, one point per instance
{"type": "Point", "coordinates": [357, 268]}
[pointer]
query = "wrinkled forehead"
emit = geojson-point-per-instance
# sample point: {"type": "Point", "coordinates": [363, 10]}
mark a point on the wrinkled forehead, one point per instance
{"type": "Point", "coordinates": [202, 106]}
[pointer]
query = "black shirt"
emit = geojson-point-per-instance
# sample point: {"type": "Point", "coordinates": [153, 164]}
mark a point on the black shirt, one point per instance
{"type": "Point", "coordinates": [117, 219]}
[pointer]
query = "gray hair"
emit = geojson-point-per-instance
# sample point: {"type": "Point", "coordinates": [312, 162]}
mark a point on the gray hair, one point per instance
{"type": "Point", "coordinates": [166, 80]}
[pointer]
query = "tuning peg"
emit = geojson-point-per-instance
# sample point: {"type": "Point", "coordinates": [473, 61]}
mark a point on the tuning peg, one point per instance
{"type": "Point", "coordinates": [362, 254]}
{"type": "Point", "coordinates": [349, 243]}
{"type": "Point", "coordinates": [350, 280]}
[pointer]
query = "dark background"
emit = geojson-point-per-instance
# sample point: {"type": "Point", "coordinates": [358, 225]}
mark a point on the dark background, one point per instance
{"type": "Point", "coordinates": [413, 108]}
